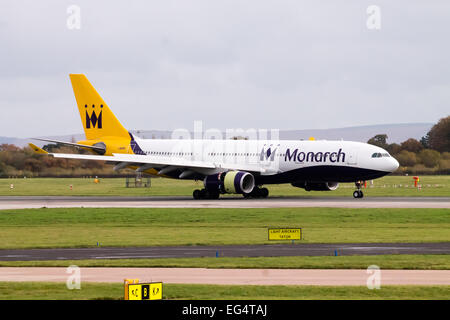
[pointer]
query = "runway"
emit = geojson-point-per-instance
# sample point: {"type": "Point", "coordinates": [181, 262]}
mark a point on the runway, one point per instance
{"type": "Point", "coordinates": [327, 277]}
{"type": "Point", "coordinates": [19, 202]}
{"type": "Point", "coordinates": [276, 250]}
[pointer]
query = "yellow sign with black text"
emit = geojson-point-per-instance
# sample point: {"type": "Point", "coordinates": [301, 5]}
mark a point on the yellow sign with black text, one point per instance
{"type": "Point", "coordinates": [145, 291]}
{"type": "Point", "coordinates": [285, 233]}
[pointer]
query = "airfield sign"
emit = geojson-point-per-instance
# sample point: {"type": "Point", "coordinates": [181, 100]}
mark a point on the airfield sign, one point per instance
{"type": "Point", "coordinates": [285, 233]}
{"type": "Point", "coordinates": [143, 291]}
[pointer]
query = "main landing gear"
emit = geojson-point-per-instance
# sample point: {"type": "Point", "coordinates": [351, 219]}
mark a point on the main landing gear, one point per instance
{"type": "Point", "coordinates": [358, 193]}
{"type": "Point", "coordinates": [208, 194]}
{"type": "Point", "coordinates": [257, 193]}
{"type": "Point", "coordinates": [205, 194]}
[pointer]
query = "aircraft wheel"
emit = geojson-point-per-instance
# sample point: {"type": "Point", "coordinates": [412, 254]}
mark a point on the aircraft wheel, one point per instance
{"type": "Point", "coordinates": [255, 193]}
{"type": "Point", "coordinates": [264, 192]}
{"type": "Point", "coordinates": [213, 195]}
{"type": "Point", "coordinates": [358, 194]}
{"type": "Point", "coordinates": [206, 194]}
{"type": "Point", "coordinates": [203, 194]}
{"type": "Point", "coordinates": [196, 194]}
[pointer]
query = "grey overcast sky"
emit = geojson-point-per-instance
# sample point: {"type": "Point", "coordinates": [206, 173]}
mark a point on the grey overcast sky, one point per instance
{"type": "Point", "coordinates": [230, 63]}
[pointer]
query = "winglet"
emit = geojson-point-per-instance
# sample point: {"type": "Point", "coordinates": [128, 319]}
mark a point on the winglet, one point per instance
{"type": "Point", "coordinates": [37, 149]}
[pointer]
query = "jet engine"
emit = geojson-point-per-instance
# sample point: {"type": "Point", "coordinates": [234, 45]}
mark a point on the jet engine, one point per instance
{"type": "Point", "coordinates": [316, 186]}
{"type": "Point", "coordinates": [230, 182]}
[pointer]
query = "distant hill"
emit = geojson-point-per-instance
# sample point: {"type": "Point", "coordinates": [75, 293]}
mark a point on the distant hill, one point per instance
{"type": "Point", "coordinates": [396, 133]}
{"type": "Point", "coordinates": [8, 140]}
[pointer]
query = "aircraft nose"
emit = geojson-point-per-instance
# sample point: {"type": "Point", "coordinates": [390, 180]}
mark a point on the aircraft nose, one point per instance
{"type": "Point", "coordinates": [393, 165]}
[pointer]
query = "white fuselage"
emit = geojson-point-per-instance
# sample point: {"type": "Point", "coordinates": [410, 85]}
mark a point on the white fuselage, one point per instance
{"type": "Point", "coordinates": [349, 160]}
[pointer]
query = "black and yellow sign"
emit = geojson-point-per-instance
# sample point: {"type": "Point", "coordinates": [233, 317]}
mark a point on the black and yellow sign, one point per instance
{"type": "Point", "coordinates": [145, 291]}
{"type": "Point", "coordinates": [285, 233]}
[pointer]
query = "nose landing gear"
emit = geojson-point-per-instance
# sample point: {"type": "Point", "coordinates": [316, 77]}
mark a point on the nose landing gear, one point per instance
{"type": "Point", "coordinates": [358, 193]}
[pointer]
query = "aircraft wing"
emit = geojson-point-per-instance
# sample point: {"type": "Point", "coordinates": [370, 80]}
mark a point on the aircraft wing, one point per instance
{"type": "Point", "coordinates": [147, 162]}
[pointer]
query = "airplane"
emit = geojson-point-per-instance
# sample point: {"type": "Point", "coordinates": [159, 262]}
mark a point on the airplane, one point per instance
{"type": "Point", "coordinates": [224, 165]}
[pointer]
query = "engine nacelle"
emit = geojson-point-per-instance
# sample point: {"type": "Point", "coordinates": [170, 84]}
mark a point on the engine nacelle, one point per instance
{"type": "Point", "coordinates": [230, 182]}
{"type": "Point", "coordinates": [316, 186]}
{"type": "Point", "coordinates": [101, 145]}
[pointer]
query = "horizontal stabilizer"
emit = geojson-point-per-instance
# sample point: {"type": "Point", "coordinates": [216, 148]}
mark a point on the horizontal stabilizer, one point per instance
{"type": "Point", "coordinates": [99, 149]}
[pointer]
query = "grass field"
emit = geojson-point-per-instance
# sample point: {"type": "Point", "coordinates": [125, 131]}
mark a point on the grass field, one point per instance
{"type": "Point", "coordinates": [108, 291]}
{"type": "Point", "coordinates": [418, 262]}
{"type": "Point", "coordinates": [84, 227]}
{"type": "Point", "coordinates": [386, 186]}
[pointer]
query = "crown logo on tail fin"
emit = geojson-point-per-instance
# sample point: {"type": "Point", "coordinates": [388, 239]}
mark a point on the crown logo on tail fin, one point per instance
{"type": "Point", "coordinates": [94, 120]}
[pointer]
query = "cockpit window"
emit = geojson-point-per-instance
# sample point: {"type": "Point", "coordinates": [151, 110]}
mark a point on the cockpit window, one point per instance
{"type": "Point", "coordinates": [379, 155]}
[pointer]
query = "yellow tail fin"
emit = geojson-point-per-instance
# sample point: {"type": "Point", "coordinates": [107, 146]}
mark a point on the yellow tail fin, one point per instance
{"type": "Point", "coordinates": [97, 119]}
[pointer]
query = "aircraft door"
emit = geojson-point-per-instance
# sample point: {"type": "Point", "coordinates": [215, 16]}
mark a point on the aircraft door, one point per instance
{"type": "Point", "coordinates": [352, 157]}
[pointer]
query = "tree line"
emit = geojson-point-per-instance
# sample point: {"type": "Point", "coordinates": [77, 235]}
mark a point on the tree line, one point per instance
{"type": "Point", "coordinates": [24, 162]}
{"type": "Point", "coordinates": [430, 155]}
